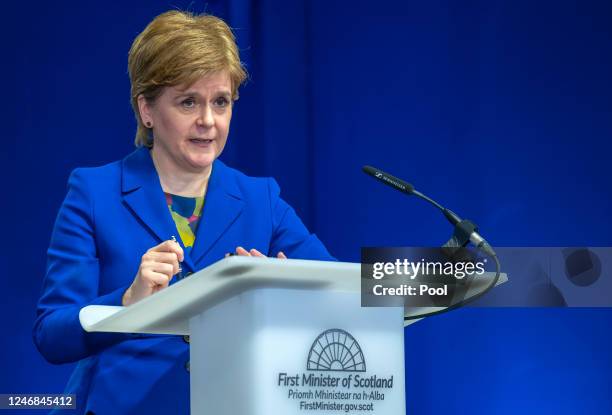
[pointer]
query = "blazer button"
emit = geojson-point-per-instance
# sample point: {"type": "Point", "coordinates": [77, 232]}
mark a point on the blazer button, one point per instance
{"type": "Point", "coordinates": [187, 366]}
{"type": "Point", "coordinates": [186, 338]}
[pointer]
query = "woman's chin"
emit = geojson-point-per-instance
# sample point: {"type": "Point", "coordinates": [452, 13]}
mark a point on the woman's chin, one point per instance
{"type": "Point", "coordinates": [201, 163]}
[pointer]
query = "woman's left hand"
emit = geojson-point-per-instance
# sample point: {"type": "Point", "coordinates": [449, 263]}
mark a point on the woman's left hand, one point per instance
{"type": "Point", "coordinates": [254, 252]}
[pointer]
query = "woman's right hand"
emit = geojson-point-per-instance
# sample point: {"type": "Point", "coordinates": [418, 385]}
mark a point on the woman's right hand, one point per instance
{"type": "Point", "coordinates": [157, 267]}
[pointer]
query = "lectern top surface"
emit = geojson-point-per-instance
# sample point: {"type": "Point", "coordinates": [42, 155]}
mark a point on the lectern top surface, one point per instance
{"type": "Point", "coordinates": [169, 310]}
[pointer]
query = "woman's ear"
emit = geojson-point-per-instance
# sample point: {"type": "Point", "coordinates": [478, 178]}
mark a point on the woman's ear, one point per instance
{"type": "Point", "coordinates": [144, 108]}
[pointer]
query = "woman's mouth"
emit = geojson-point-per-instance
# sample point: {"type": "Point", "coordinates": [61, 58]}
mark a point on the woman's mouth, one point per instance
{"type": "Point", "coordinates": [201, 142]}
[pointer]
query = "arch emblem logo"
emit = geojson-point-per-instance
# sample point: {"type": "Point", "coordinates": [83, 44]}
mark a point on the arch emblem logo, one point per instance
{"type": "Point", "coordinates": [336, 350]}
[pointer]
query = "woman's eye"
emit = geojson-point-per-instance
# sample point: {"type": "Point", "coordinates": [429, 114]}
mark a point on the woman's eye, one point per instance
{"type": "Point", "coordinates": [221, 102]}
{"type": "Point", "coordinates": [188, 103]}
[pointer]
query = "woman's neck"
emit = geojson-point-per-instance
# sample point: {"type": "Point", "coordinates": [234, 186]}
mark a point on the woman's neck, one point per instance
{"type": "Point", "coordinates": [181, 183]}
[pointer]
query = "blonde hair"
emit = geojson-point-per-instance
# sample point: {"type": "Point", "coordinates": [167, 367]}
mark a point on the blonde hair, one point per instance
{"type": "Point", "coordinates": [179, 48]}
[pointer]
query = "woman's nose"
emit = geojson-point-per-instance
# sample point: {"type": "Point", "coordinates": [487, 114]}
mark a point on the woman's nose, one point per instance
{"type": "Point", "coordinates": [206, 118]}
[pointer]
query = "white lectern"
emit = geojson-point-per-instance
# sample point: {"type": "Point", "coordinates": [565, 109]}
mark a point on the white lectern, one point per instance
{"type": "Point", "coordinates": [272, 336]}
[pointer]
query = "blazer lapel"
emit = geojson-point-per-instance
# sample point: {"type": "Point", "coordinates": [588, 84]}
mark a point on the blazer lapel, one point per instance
{"type": "Point", "coordinates": [143, 194]}
{"type": "Point", "coordinates": [222, 206]}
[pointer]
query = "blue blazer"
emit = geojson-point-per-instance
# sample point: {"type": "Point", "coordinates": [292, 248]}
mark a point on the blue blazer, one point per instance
{"type": "Point", "coordinates": [111, 216]}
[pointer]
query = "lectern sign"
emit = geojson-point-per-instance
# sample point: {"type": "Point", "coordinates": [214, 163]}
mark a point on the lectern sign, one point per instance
{"type": "Point", "coordinates": [336, 377]}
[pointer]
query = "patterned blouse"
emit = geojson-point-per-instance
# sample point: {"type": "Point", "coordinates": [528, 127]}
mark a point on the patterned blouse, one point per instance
{"type": "Point", "coordinates": [186, 213]}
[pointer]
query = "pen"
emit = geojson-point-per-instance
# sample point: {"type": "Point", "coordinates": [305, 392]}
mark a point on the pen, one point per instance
{"type": "Point", "coordinates": [180, 270]}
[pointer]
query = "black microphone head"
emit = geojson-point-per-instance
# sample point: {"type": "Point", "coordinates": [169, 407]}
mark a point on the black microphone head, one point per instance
{"type": "Point", "coordinates": [389, 180]}
{"type": "Point", "coordinates": [370, 170]}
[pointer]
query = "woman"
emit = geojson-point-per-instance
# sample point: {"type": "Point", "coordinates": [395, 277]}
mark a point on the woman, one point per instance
{"type": "Point", "coordinates": [132, 227]}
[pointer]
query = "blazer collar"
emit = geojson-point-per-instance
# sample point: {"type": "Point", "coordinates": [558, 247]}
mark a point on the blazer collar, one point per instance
{"type": "Point", "coordinates": [223, 204]}
{"type": "Point", "coordinates": [143, 194]}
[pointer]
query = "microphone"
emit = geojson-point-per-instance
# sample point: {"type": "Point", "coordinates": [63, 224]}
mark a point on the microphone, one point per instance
{"type": "Point", "coordinates": [392, 181]}
{"type": "Point", "coordinates": [466, 227]}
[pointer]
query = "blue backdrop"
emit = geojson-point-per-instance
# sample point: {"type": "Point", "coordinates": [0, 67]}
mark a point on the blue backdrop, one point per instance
{"type": "Point", "coordinates": [499, 109]}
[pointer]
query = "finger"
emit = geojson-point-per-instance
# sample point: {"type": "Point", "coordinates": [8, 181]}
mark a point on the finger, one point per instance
{"type": "Point", "coordinates": [180, 252]}
{"type": "Point", "coordinates": [166, 246]}
{"type": "Point", "coordinates": [170, 246]}
{"type": "Point", "coordinates": [241, 251]}
{"type": "Point", "coordinates": [281, 255]}
{"type": "Point", "coordinates": [168, 257]}
{"type": "Point", "coordinates": [155, 279]}
{"type": "Point", "coordinates": [255, 252]}
{"type": "Point", "coordinates": [170, 267]}
{"type": "Point", "coordinates": [165, 257]}
{"type": "Point", "coordinates": [162, 268]}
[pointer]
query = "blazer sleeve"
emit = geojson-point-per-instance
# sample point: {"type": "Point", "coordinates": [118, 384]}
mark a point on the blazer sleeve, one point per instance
{"type": "Point", "coordinates": [71, 282]}
{"type": "Point", "coordinates": [289, 234]}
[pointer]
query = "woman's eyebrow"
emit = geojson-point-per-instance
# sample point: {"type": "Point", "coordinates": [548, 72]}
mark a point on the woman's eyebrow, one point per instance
{"type": "Point", "coordinates": [223, 92]}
